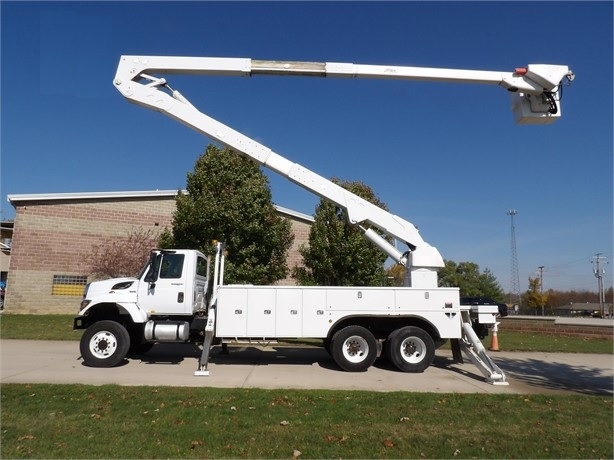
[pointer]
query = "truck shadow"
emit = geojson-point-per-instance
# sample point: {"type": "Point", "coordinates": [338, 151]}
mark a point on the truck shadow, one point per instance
{"type": "Point", "coordinates": [273, 354]}
{"type": "Point", "coordinates": [168, 353]}
{"type": "Point", "coordinates": [175, 353]}
{"type": "Point", "coordinates": [583, 379]}
{"type": "Point", "coordinates": [544, 375]}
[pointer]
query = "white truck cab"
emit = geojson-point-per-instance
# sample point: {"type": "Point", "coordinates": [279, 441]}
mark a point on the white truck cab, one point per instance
{"type": "Point", "coordinates": [159, 305]}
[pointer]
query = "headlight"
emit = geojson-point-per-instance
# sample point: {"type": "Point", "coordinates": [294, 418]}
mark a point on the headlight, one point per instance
{"type": "Point", "coordinates": [84, 303]}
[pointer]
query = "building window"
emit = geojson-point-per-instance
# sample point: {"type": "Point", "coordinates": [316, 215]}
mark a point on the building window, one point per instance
{"type": "Point", "coordinates": [68, 285]}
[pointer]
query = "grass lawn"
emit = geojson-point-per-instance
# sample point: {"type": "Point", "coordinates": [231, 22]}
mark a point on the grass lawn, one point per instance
{"type": "Point", "coordinates": [38, 327]}
{"type": "Point", "coordinates": [79, 421]}
{"type": "Point", "coordinates": [108, 421]}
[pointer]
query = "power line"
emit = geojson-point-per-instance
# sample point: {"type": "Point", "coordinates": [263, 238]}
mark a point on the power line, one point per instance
{"type": "Point", "coordinates": [571, 262]}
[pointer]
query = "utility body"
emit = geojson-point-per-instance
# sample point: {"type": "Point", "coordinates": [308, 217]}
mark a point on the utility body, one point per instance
{"type": "Point", "coordinates": [181, 296]}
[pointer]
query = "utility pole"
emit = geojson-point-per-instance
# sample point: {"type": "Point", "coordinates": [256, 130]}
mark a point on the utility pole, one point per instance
{"type": "Point", "coordinates": [598, 259]}
{"type": "Point", "coordinates": [515, 283]}
{"type": "Point", "coordinates": [541, 286]}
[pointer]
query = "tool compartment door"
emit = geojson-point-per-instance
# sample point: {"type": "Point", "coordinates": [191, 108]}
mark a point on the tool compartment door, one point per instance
{"type": "Point", "coordinates": [289, 318]}
{"type": "Point", "coordinates": [261, 311]}
{"type": "Point", "coordinates": [231, 314]}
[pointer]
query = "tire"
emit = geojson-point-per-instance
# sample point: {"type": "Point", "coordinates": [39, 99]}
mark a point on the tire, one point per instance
{"type": "Point", "coordinates": [104, 344]}
{"type": "Point", "coordinates": [354, 348]}
{"type": "Point", "coordinates": [410, 349]}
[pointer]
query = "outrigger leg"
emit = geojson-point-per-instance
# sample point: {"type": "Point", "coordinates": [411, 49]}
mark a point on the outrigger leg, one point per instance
{"type": "Point", "coordinates": [475, 351]}
{"type": "Point", "coordinates": [204, 357]}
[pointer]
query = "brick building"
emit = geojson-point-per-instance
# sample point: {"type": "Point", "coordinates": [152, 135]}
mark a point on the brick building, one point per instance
{"type": "Point", "coordinates": [53, 233]}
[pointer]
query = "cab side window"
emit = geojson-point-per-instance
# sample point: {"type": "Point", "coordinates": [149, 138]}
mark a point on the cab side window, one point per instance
{"type": "Point", "coordinates": [201, 266]}
{"type": "Point", "coordinates": [172, 266]}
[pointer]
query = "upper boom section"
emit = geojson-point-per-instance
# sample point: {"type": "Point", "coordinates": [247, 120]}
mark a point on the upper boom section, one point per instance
{"type": "Point", "coordinates": [537, 101]}
{"type": "Point", "coordinates": [535, 87]}
{"type": "Point", "coordinates": [533, 79]}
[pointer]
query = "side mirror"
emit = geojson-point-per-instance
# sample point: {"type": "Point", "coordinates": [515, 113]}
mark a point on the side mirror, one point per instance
{"type": "Point", "coordinates": [152, 270]}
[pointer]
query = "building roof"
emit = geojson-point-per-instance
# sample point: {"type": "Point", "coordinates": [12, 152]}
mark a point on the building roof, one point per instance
{"type": "Point", "coordinates": [88, 195]}
{"type": "Point", "coordinates": [15, 199]}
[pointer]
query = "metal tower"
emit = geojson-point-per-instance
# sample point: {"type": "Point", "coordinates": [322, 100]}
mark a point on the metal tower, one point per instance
{"type": "Point", "coordinates": [515, 283]}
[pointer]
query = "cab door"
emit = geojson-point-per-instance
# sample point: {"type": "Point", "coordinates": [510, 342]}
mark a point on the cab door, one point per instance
{"type": "Point", "coordinates": [163, 288]}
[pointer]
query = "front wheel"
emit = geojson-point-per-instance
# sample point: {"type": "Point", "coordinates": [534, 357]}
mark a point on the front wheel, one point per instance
{"type": "Point", "coordinates": [104, 344]}
{"type": "Point", "coordinates": [354, 348]}
{"type": "Point", "coordinates": [410, 349]}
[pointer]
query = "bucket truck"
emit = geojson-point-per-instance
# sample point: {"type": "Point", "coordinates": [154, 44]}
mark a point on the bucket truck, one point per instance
{"type": "Point", "coordinates": [355, 323]}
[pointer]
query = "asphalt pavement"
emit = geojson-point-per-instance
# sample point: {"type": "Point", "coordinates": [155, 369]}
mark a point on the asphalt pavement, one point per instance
{"type": "Point", "coordinates": [278, 367]}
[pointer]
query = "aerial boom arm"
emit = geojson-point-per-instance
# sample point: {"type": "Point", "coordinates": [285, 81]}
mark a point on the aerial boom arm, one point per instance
{"type": "Point", "coordinates": [135, 80]}
{"type": "Point", "coordinates": [535, 88]}
{"type": "Point", "coordinates": [533, 79]}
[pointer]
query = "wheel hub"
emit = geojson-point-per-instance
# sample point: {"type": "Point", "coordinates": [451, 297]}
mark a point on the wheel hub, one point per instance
{"type": "Point", "coordinates": [413, 350]}
{"type": "Point", "coordinates": [355, 349]}
{"type": "Point", "coordinates": [410, 349]}
{"type": "Point", "coordinates": [103, 344]}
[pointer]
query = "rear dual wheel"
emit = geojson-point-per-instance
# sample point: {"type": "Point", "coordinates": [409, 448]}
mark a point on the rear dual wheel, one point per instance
{"type": "Point", "coordinates": [410, 349]}
{"type": "Point", "coordinates": [353, 348]}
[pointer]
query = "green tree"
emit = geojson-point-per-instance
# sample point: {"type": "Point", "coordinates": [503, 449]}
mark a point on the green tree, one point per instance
{"type": "Point", "coordinates": [229, 199]}
{"type": "Point", "coordinates": [395, 275]}
{"type": "Point", "coordinates": [338, 254]}
{"type": "Point", "coordinates": [535, 298]}
{"type": "Point", "coordinates": [472, 282]}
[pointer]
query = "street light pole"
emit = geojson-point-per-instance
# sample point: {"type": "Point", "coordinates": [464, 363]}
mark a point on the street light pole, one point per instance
{"type": "Point", "coordinates": [541, 286]}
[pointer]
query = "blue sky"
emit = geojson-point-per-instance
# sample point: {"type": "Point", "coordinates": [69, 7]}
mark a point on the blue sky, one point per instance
{"type": "Point", "coordinates": [446, 157]}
